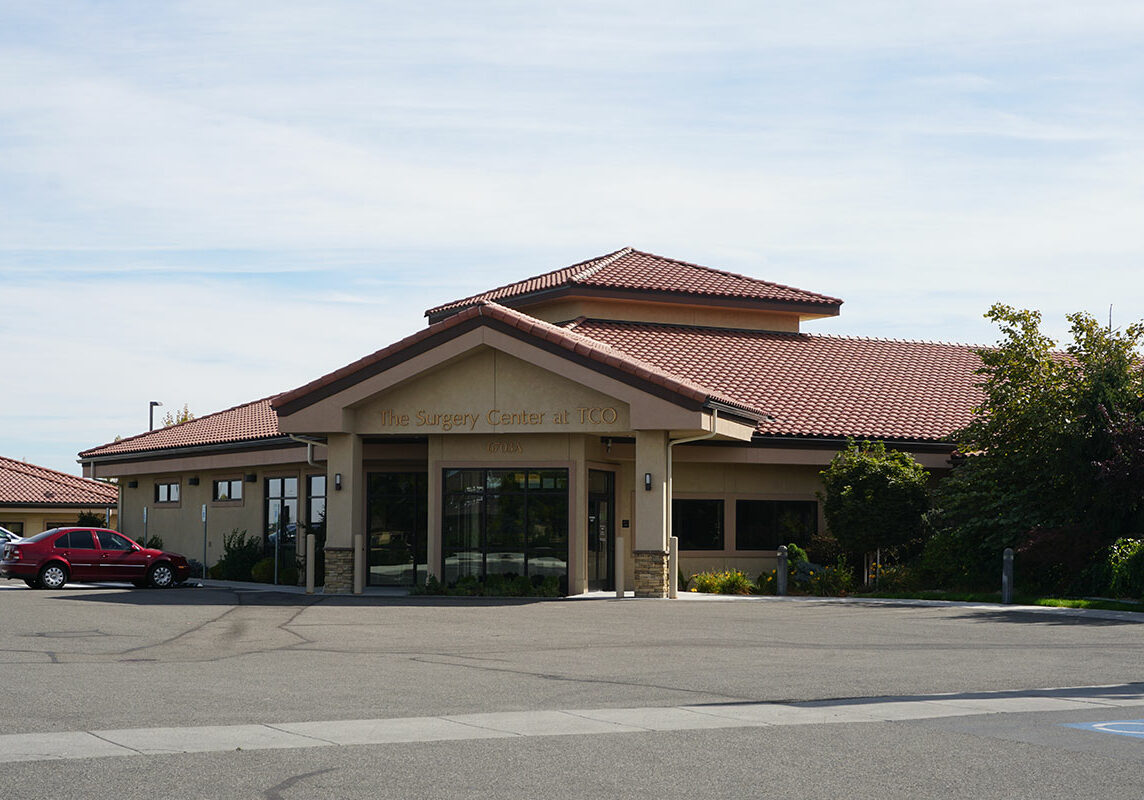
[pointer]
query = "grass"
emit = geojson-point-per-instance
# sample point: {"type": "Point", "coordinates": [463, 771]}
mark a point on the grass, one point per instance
{"type": "Point", "coordinates": [1021, 600]}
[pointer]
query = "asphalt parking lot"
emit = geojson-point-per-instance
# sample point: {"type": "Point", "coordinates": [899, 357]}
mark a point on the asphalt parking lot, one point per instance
{"type": "Point", "coordinates": [407, 697]}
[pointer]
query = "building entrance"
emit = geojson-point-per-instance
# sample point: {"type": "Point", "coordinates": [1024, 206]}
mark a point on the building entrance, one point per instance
{"type": "Point", "coordinates": [601, 530]}
{"type": "Point", "coordinates": [398, 511]}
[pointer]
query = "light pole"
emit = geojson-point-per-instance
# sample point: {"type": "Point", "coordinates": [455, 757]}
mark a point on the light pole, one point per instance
{"type": "Point", "coordinates": [151, 415]}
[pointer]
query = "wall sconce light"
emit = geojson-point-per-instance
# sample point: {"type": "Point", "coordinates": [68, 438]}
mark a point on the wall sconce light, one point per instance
{"type": "Point", "coordinates": [251, 477]}
{"type": "Point", "coordinates": [337, 481]}
{"type": "Point", "coordinates": [647, 481]}
{"type": "Point", "coordinates": [193, 481]}
{"type": "Point", "coordinates": [132, 484]}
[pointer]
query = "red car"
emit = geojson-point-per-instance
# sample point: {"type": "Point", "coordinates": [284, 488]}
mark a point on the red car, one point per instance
{"type": "Point", "coordinates": [50, 559]}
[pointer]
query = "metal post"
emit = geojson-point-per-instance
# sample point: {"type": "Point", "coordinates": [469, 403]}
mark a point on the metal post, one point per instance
{"type": "Point", "coordinates": [144, 526]}
{"type": "Point", "coordinates": [204, 541]}
{"type": "Point", "coordinates": [1007, 576]}
{"type": "Point", "coordinates": [310, 539]}
{"type": "Point", "coordinates": [673, 567]}
{"type": "Point", "coordinates": [781, 572]}
{"type": "Point", "coordinates": [619, 566]}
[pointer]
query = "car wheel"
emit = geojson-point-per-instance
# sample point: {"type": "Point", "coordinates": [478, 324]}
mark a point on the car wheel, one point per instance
{"type": "Point", "coordinates": [162, 576]}
{"type": "Point", "coordinates": [32, 583]}
{"type": "Point", "coordinates": [53, 576]}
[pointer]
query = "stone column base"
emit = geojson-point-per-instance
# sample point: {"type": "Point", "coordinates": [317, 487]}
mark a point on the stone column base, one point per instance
{"type": "Point", "coordinates": [339, 570]}
{"type": "Point", "coordinates": [651, 573]}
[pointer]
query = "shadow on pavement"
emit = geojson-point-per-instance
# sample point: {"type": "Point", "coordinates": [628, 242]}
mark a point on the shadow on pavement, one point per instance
{"type": "Point", "coordinates": [1069, 616]}
{"type": "Point", "coordinates": [222, 595]}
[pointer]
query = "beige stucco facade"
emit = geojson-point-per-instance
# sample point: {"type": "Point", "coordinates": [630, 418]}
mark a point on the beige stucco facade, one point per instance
{"type": "Point", "coordinates": [485, 400]}
{"type": "Point", "coordinates": [32, 519]}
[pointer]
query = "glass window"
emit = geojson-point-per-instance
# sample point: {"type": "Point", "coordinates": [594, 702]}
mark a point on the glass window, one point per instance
{"type": "Point", "coordinates": [15, 527]}
{"type": "Point", "coordinates": [227, 490]}
{"type": "Point", "coordinates": [166, 492]}
{"type": "Point", "coordinates": [80, 540]}
{"type": "Point", "coordinates": [316, 500]}
{"type": "Point", "coordinates": [698, 524]}
{"type": "Point", "coordinates": [766, 524]}
{"type": "Point", "coordinates": [281, 511]}
{"type": "Point", "coordinates": [505, 521]}
{"type": "Point", "coordinates": [112, 541]}
{"type": "Point", "coordinates": [398, 522]}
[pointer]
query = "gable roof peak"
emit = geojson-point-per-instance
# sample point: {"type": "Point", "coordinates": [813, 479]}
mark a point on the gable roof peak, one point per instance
{"type": "Point", "coordinates": [635, 275]}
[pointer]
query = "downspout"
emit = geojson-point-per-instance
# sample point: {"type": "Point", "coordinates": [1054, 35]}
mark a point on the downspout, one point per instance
{"type": "Point", "coordinates": [309, 448]}
{"type": "Point", "coordinates": [673, 575]}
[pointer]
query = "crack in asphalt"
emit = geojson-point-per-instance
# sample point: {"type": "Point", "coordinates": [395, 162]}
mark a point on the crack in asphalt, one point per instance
{"type": "Point", "coordinates": [275, 792]}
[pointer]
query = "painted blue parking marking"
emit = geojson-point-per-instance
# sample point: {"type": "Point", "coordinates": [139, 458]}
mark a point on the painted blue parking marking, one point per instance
{"type": "Point", "coordinates": [1123, 727]}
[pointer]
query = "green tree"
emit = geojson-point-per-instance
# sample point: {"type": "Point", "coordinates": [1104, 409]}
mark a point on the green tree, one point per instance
{"type": "Point", "coordinates": [178, 417]}
{"type": "Point", "coordinates": [1053, 452]}
{"type": "Point", "coordinates": [873, 497]}
{"type": "Point", "coordinates": [89, 519]}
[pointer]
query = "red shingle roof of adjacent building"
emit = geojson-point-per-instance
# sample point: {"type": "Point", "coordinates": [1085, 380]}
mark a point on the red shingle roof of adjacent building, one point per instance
{"type": "Point", "coordinates": [250, 421]}
{"type": "Point", "coordinates": [28, 485]}
{"type": "Point", "coordinates": [818, 386]}
{"type": "Point", "coordinates": [570, 342]}
{"type": "Point", "coordinates": [633, 270]}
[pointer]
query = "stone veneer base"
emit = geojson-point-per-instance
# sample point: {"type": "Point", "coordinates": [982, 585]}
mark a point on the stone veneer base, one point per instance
{"type": "Point", "coordinates": [339, 570]}
{"type": "Point", "coordinates": [651, 573]}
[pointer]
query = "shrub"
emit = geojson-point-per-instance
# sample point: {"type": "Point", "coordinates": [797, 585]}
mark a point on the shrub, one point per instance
{"type": "Point", "coordinates": [730, 581]}
{"type": "Point", "coordinates": [767, 583]}
{"type": "Point", "coordinates": [240, 554]}
{"type": "Point", "coordinates": [89, 519]}
{"type": "Point", "coordinates": [508, 585]}
{"type": "Point", "coordinates": [263, 571]}
{"type": "Point", "coordinates": [1126, 559]}
{"type": "Point", "coordinates": [831, 581]}
{"type": "Point", "coordinates": [795, 555]}
{"type": "Point", "coordinates": [154, 542]}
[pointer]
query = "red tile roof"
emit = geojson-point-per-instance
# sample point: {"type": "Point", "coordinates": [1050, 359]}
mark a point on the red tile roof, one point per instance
{"type": "Point", "coordinates": [250, 421]}
{"type": "Point", "coordinates": [28, 485]}
{"type": "Point", "coordinates": [629, 269]}
{"type": "Point", "coordinates": [570, 342]}
{"type": "Point", "coordinates": [816, 385]}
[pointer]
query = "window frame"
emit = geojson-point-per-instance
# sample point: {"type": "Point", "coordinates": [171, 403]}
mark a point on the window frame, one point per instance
{"type": "Point", "coordinates": [168, 483]}
{"type": "Point", "coordinates": [229, 501]}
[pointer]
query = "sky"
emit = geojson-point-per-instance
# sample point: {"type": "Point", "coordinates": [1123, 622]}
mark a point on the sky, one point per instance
{"type": "Point", "coordinates": [207, 203]}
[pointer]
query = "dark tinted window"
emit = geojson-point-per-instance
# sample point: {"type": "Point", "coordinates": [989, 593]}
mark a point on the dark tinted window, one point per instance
{"type": "Point", "coordinates": [63, 542]}
{"type": "Point", "coordinates": [39, 537]}
{"type": "Point", "coordinates": [698, 524]}
{"type": "Point", "coordinates": [766, 524]}
{"type": "Point", "coordinates": [79, 540]}
{"type": "Point", "coordinates": [113, 541]}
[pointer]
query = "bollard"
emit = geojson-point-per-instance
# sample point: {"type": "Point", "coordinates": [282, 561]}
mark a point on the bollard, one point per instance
{"type": "Point", "coordinates": [310, 565]}
{"type": "Point", "coordinates": [781, 572]}
{"type": "Point", "coordinates": [358, 566]}
{"type": "Point", "coordinates": [620, 566]}
{"type": "Point", "coordinates": [673, 567]}
{"type": "Point", "coordinates": [1007, 576]}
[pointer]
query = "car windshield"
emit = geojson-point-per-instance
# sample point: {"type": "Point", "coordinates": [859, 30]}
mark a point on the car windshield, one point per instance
{"type": "Point", "coordinates": [41, 536]}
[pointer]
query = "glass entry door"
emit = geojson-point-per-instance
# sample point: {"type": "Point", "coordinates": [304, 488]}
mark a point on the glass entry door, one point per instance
{"type": "Point", "coordinates": [398, 512]}
{"type": "Point", "coordinates": [601, 530]}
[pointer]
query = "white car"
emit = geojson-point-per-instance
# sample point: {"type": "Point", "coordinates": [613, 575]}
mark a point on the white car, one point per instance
{"type": "Point", "coordinates": [7, 536]}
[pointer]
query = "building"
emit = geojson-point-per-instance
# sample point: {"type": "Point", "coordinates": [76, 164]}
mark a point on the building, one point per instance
{"type": "Point", "coordinates": [35, 499]}
{"type": "Point", "coordinates": [528, 427]}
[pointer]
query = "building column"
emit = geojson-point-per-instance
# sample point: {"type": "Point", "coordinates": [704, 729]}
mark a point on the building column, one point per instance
{"type": "Point", "coordinates": [650, 544]}
{"type": "Point", "coordinates": [345, 509]}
